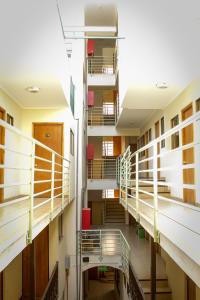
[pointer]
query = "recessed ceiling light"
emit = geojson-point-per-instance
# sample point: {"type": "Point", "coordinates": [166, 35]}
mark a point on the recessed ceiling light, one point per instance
{"type": "Point", "coordinates": [33, 89]}
{"type": "Point", "coordinates": [162, 85]}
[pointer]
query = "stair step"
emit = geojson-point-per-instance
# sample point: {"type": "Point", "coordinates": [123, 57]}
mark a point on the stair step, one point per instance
{"type": "Point", "coordinates": [159, 290]}
{"type": "Point", "coordinates": [146, 283]}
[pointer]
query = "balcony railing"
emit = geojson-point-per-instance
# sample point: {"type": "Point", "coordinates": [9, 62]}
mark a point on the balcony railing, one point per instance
{"type": "Point", "coordinates": [105, 243]}
{"type": "Point", "coordinates": [101, 65]}
{"type": "Point", "coordinates": [102, 168]}
{"type": "Point", "coordinates": [34, 187]}
{"type": "Point", "coordinates": [160, 189]}
{"type": "Point", "coordinates": [51, 291]}
{"type": "Point", "coordinates": [101, 116]}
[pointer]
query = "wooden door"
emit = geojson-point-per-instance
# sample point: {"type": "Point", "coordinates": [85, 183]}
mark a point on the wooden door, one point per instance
{"type": "Point", "coordinates": [157, 134]}
{"type": "Point", "coordinates": [188, 156]}
{"type": "Point", "coordinates": [190, 289]}
{"type": "Point", "coordinates": [1, 285]}
{"type": "Point", "coordinates": [51, 135]}
{"type": "Point", "coordinates": [116, 146]}
{"type": "Point", "coordinates": [2, 152]}
{"type": "Point", "coordinates": [42, 262]}
{"type": "Point", "coordinates": [35, 267]}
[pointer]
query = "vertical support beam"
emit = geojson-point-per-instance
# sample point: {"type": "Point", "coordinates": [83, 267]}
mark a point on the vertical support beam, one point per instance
{"type": "Point", "coordinates": [31, 205]}
{"type": "Point", "coordinates": [155, 189]}
{"type": "Point", "coordinates": [63, 183]}
{"type": "Point", "coordinates": [69, 178]}
{"type": "Point", "coordinates": [120, 180]}
{"type": "Point", "coordinates": [137, 185]}
{"type": "Point", "coordinates": [126, 184]}
{"type": "Point", "coordinates": [153, 269]}
{"type": "Point", "coordinates": [52, 184]}
{"type": "Point", "coordinates": [32, 271]}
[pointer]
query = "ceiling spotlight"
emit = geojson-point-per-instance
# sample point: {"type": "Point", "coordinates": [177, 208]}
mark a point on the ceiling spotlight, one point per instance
{"type": "Point", "coordinates": [33, 89]}
{"type": "Point", "coordinates": [162, 85]}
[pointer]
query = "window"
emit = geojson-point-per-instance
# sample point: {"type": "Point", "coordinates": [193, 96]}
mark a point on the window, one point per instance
{"type": "Point", "coordinates": [108, 194]}
{"type": "Point", "coordinates": [71, 142]}
{"type": "Point", "coordinates": [60, 227]}
{"type": "Point", "coordinates": [10, 120]}
{"type": "Point", "coordinates": [162, 124]}
{"type": "Point", "coordinates": [108, 148]}
{"type": "Point", "coordinates": [108, 108]}
{"type": "Point", "coordinates": [198, 104]}
{"type": "Point", "coordinates": [175, 136]}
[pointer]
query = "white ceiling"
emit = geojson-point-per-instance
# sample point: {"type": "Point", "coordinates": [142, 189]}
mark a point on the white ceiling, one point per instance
{"type": "Point", "coordinates": [135, 118]}
{"type": "Point", "coordinates": [32, 53]}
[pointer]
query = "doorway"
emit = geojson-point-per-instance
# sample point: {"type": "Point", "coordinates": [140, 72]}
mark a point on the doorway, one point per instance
{"type": "Point", "coordinates": [51, 135]}
{"type": "Point", "coordinates": [188, 156]}
{"type": "Point", "coordinates": [35, 267]}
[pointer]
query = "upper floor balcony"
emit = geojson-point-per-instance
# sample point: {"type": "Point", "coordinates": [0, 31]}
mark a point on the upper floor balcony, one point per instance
{"type": "Point", "coordinates": [35, 187]}
{"type": "Point", "coordinates": [160, 189]}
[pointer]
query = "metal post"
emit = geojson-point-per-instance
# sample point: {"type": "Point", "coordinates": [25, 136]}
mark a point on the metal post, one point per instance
{"type": "Point", "coordinates": [120, 181]}
{"type": "Point", "coordinates": [69, 185]}
{"type": "Point", "coordinates": [153, 269]}
{"type": "Point", "coordinates": [101, 250]}
{"type": "Point", "coordinates": [137, 185]}
{"type": "Point", "coordinates": [30, 232]}
{"type": "Point", "coordinates": [126, 185]}
{"type": "Point", "coordinates": [52, 184]}
{"type": "Point", "coordinates": [155, 188]}
{"type": "Point", "coordinates": [63, 184]}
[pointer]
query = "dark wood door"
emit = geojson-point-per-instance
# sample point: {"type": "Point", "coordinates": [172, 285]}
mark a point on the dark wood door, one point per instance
{"type": "Point", "coordinates": [2, 152]}
{"type": "Point", "coordinates": [191, 289]}
{"type": "Point", "coordinates": [35, 267]}
{"type": "Point", "coordinates": [188, 156]}
{"type": "Point", "coordinates": [51, 135]}
{"type": "Point", "coordinates": [1, 285]}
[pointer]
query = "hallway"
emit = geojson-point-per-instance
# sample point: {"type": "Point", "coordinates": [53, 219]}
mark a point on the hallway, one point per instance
{"type": "Point", "coordinates": [99, 290]}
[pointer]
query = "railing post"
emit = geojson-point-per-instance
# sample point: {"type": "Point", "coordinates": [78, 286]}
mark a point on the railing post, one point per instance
{"type": "Point", "coordinates": [126, 184]}
{"type": "Point", "coordinates": [137, 185]}
{"type": "Point", "coordinates": [63, 184]}
{"type": "Point", "coordinates": [120, 180]}
{"type": "Point", "coordinates": [31, 207]}
{"type": "Point", "coordinates": [69, 185]}
{"type": "Point", "coordinates": [101, 250]}
{"type": "Point", "coordinates": [155, 189]}
{"type": "Point", "coordinates": [52, 184]}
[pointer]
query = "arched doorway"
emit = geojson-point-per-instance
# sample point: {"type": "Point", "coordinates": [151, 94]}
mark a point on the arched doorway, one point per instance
{"type": "Point", "coordinates": [102, 283]}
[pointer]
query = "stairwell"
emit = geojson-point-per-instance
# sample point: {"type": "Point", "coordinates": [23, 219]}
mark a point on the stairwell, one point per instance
{"type": "Point", "coordinates": [114, 212]}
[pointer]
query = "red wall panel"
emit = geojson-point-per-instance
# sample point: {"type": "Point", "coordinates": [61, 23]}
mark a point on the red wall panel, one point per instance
{"type": "Point", "coordinates": [90, 98]}
{"type": "Point", "coordinates": [90, 151]}
{"type": "Point", "coordinates": [86, 218]}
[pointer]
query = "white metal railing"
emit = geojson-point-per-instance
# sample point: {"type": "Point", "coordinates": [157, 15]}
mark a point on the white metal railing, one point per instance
{"type": "Point", "coordinates": [102, 168]}
{"type": "Point", "coordinates": [34, 185]}
{"type": "Point", "coordinates": [156, 190]}
{"type": "Point", "coordinates": [99, 116]}
{"type": "Point", "coordinates": [105, 242]}
{"type": "Point", "coordinates": [101, 65]}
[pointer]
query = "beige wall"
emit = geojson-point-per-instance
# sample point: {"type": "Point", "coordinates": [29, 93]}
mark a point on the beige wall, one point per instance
{"type": "Point", "coordinates": [12, 280]}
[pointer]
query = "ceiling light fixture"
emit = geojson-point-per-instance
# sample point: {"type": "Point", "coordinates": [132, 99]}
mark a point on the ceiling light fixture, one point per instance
{"type": "Point", "coordinates": [33, 89]}
{"type": "Point", "coordinates": [162, 85]}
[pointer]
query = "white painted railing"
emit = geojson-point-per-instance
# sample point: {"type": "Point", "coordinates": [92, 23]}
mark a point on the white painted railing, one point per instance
{"type": "Point", "coordinates": [102, 168]}
{"type": "Point", "coordinates": [34, 185]}
{"type": "Point", "coordinates": [102, 116]}
{"type": "Point", "coordinates": [105, 242]}
{"type": "Point", "coordinates": [155, 190]}
{"type": "Point", "coordinates": [101, 65]}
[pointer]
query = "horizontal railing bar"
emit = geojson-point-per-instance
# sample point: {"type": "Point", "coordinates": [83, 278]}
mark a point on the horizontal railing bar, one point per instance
{"type": "Point", "coordinates": [11, 202]}
{"type": "Point", "coordinates": [14, 168]}
{"type": "Point", "coordinates": [42, 193]}
{"type": "Point", "coordinates": [3, 147]}
{"type": "Point", "coordinates": [42, 159]}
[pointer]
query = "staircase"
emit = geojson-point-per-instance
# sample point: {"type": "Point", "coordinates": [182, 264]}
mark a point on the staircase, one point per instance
{"type": "Point", "coordinates": [114, 212]}
{"type": "Point", "coordinates": [163, 292]}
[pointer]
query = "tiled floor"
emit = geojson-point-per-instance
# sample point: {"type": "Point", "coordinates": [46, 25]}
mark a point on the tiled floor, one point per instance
{"type": "Point", "coordinates": [140, 254]}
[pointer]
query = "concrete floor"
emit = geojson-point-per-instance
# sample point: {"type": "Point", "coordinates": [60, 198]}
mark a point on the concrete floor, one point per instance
{"type": "Point", "coordinates": [100, 291]}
